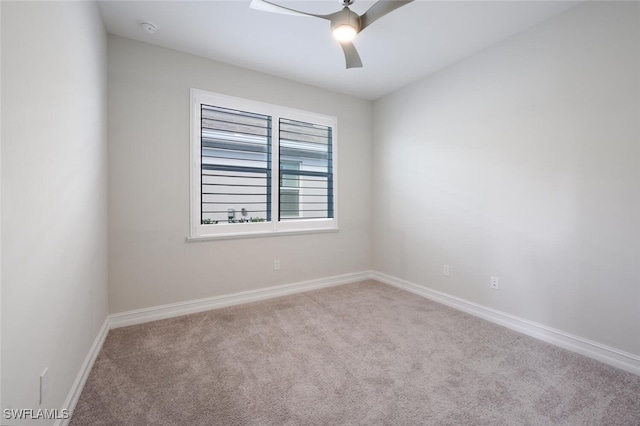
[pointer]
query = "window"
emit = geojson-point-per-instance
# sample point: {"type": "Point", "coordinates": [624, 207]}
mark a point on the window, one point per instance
{"type": "Point", "coordinates": [259, 169]}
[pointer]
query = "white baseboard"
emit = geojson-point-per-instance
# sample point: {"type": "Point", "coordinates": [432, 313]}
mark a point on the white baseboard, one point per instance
{"type": "Point", "coordinates": [83, 374]}
{"type": "Point", "coordinates": [617, 358]}
{"type": "Point", "coordinates": [139, 316]}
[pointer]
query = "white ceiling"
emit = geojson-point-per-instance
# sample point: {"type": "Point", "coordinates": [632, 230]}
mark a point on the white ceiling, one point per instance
{"type": "Point", "coordinates": [409, 43]}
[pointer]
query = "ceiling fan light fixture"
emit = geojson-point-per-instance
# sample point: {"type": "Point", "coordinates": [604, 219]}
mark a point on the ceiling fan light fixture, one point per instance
{"type": "Point", "coordinates": [345, 24]}
{"type": "Point", "coordinates": [344, 32]}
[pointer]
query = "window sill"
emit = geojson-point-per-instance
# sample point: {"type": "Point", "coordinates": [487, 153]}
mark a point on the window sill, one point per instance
{"type": "Point", "coordinates": [260, 234]}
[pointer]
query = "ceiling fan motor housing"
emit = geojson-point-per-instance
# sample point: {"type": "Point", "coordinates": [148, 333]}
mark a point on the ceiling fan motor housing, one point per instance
{"type": "Point", "coordinates": [346, 17]}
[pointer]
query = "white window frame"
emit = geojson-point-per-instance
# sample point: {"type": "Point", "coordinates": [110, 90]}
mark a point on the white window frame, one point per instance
{"type": "Point", "coordinates": [199, 231]}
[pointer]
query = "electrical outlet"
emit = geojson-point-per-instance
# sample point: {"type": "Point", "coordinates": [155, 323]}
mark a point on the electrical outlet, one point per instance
{"type": "Point", "coordinates": [445, 270]}
{"type": "Point", "coordinates": [44, 384]}
{"type": "Point", "coordinates": [495, 283]}
{"type": "Point", "coordinates": [276, 265]}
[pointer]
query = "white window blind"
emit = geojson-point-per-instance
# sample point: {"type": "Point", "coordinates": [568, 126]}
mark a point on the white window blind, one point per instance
{"type": "Point", "coordinates": [260, 169]}
{"type": "Point", "coordinates": [306, 190]}
{"type": "Point", "coordinates": [235, 166]}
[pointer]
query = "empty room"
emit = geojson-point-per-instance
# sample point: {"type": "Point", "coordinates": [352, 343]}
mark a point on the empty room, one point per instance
{"type": "Point", "coordinates": [251, 212]}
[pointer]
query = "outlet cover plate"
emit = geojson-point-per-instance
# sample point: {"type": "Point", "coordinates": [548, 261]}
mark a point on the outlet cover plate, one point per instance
{"type": "Point", "coordinates": [495, 283]}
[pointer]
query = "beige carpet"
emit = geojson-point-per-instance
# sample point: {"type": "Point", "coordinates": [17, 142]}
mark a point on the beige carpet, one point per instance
{"type": "Point", "coordinates": [358, 354]}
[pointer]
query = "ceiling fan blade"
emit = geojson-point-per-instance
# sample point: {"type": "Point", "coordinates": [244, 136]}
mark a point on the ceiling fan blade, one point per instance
{"type": "Point", "coordinates": [267, 6]}
{"type": "Point", "coordinates": [351, 55]}
{"type": "Point", "coordinates": [379, 9]}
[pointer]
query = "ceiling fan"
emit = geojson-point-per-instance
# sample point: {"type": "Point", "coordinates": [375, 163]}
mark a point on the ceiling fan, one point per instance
{"type": "Point", "coordinates": [345, 24]}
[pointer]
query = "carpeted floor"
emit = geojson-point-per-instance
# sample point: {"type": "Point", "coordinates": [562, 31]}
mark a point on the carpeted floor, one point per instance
{"type": "Point", "coordinates": [358, 354]}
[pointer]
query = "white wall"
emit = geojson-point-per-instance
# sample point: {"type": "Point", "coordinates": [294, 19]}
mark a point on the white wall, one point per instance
{"type": "Point", "coordinates": [54, 193]}
{"type": "Point", "coordinates": [523, 162]}
{"type": "Point", "coordinates": [150, 263]}
{"type": "Point", "coordinates": [1, 406]}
